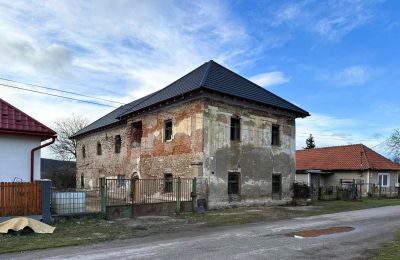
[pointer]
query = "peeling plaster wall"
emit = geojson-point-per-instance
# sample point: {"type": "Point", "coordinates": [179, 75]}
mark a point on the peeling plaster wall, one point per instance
{"type": "Point", "coordinates": [253, 156]}
{"type": "Point", "coordinates": [154, 157]}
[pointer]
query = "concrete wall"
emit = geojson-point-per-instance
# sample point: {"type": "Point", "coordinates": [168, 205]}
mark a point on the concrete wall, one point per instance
{"type": "Point", "coordinates": [253, 156]}
{"type": "Point", "coordinates": [154, 157]}
{"type": "Point", "coordinates": [15, 158]}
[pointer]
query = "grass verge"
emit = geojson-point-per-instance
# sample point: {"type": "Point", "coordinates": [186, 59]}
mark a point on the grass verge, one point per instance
{"type": "Point", "coordinates": [389, 251]}
{"type": "Point", "coordinates": [68, 232]}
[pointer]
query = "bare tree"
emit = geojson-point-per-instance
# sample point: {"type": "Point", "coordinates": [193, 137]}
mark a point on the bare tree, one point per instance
{"type": "Point", "coordinates": [393, 144]}
{"type": "Point", "coordinates": [65, 148]}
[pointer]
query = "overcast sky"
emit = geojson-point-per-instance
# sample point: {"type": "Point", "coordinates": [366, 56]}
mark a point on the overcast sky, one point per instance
{"type": "Point", "coordinates": [339, 60]}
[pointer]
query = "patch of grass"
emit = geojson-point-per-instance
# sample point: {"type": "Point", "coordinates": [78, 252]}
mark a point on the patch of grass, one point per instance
{"type": "Point", "coordinates": [235, 216]}
{"type": "Point", "coordinates": [68, 232]}
{"type": "Point", "coordinates": [389, 251]}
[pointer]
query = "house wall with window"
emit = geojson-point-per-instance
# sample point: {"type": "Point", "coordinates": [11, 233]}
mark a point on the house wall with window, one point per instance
{"type": "Point", "coordinates": [247, 165]}
{"type": "Point", "coordinates": [161, 141]}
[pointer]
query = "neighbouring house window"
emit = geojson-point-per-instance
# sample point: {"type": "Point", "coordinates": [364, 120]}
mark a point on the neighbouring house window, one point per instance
{"type": "Point", "coordinates": [121, 180]}
{"type": "Point", "coordinates": [82, 181]}
{"type": "Point", "coordinates": [83, 151]}
{"type": "Point", "coordinates": [98, 148]}
{"type": "Point", "coordinates": [168, 182]}
{"type": "Point", "coordinates": [398, 178]}
{"type": "Point", "coordinates": [276, 186]}
{"type": "Point", "coordinates": [137, 132]}
{"type": "Point", "coordinates": [118, 144]}
{"type": "Point", "coordinates": [275, 135]}
{"type": "Point", "coordinates": [384, 179]}
{"type": "Point", "coordinates": [168, 130]}
{"type": "Point", "coordinates": [233, 183]}
{"type": "Point", "coordinates": [235, 129]}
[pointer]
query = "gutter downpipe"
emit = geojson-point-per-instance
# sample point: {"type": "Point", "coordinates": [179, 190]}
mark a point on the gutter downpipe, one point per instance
{"type": "Point", "coordinates": [53, 139]}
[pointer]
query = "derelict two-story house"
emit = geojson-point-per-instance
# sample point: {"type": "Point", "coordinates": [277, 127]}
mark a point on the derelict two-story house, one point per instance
{"type": "Point", "coordinates": [211, 123]}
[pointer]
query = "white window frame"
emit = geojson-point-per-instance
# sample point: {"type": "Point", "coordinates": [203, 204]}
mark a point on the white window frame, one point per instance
{"type": "Point", "coordinates": [388, 179]}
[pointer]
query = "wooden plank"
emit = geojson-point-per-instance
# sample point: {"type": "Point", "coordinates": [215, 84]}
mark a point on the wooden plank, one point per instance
{"type": "Point", "coordinates": [19, 199]}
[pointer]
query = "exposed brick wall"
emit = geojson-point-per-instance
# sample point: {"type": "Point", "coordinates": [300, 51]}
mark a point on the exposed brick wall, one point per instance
{"type": "Point", "coordinates": [154, 156]}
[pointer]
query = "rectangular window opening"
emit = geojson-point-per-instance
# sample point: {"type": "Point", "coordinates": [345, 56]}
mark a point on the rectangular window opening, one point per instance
{"type": "Point", "coordinates": [233, 183]}
{"type": "Point", "coordinates": [168, 130]}
{"type": "Point", "coordinates": [118, 144]}
{"type": "Point", "coordinates": [82, 181]}
{"type": "Point", "coordinates": [137, 133]}
{"type": "Point", "coordinates": [276, 186]}
{"type": "Point", "coordinates": [168, 182]}
{"type": "Point", "coordinates": [98, 148]}
{"type": "Point", "coordinates": [235, 129]}
{"type": "Point", "coordinates": [275, 135]}
{"type": "Point", "coordinates": [384, 179]}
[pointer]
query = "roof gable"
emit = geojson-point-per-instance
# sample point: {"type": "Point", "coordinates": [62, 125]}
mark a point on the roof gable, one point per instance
{"type": "Point", "coordinates": [210, 76]}
{"type": "Point", "coordinates": [347, 157]}
{"type": "Point", "coordinates": [14, 121]}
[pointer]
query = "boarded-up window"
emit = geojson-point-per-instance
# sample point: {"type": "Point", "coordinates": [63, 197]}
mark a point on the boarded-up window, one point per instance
{"type": "Point", "coordinates": [275, 135]}
{"type": "Point", "coordinates": [235, 129]}
{"type": "Point", "coordinates": [137, 132]}
{"type": "Point", "coordinates": [98, 149]}
{"type": "Point", "coordinates": [118, 143]}
{"type": "Point", "coordinates": [168, 182]}
{"type": "Point", "coordinates": [233, 183]}
{"type": "Point", "coordinates": [168, 130]}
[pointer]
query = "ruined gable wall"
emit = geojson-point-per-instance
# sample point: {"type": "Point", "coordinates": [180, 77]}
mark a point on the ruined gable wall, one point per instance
{"type": "Point", "coordinates": [253, 156]}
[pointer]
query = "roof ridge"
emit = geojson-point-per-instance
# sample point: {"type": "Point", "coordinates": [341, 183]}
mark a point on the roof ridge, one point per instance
{"type": "Point", "coordinates": [269, 92]}
{"type": "Point", "coordinates": [366, 156]}
{"type": "Point", "coordinates": [203, 80]}
{"type": "Point", "coordinates": [328, 147]}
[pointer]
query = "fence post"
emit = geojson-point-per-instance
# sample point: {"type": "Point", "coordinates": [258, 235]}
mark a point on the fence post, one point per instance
{"type": "Point", "coordinates": [178, 195]}
{"type": "Point", "coordinates": [46, 200]}
{"type": "Point", "coordinates": [194, 194]}
{"type": "Point", "coordinates": [103, 191]}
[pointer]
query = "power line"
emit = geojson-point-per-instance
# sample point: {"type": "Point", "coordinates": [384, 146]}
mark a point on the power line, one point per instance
{"type": "Point", "coordinates": [59, 96]}
{"type": "Point", "coordinates": [59, 90]}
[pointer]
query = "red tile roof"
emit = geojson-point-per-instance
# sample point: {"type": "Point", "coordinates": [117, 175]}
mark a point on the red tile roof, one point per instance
{"type": "Point", "coordinates": [14, 121]}
{"type": "Point", "coordinates": [347, 157]}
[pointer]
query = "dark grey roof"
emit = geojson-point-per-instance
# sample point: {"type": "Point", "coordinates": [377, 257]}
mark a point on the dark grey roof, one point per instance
{"type": "Point", "coordinates": [211, 76]}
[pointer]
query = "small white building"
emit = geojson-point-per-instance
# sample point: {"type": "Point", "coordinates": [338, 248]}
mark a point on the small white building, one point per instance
{"type": "Point", "coordinates": [21, 139]}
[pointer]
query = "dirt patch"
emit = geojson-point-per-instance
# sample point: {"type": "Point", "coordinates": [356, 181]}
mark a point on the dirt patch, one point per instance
{"type": "Point", "coordinates": [321, 232]}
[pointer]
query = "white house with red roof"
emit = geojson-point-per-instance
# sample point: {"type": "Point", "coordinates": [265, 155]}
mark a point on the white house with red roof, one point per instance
{"type": "Point", "coordinates": [330, 166]}
{"type": "Point", "coordinates": [21, 139]}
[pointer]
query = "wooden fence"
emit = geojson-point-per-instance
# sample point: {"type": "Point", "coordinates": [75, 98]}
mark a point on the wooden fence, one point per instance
{"type": "Point", "coordinates": [20, 199]}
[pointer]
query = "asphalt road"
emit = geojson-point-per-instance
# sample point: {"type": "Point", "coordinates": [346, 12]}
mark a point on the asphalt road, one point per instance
{"type": "Point", "coordinates": [257, 241]}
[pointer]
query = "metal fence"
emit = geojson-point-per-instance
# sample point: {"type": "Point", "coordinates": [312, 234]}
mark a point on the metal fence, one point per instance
{"type": "Point", "coordinates": [377, 191]}
{"type": "Point", "coordinates": [148, 191]}
{"type": "Point", "coordinates": [341, 192]}
{"type": "Point", "coordinates": [75, 201]}
{"type": "Point", "coordinates": [118, 192]}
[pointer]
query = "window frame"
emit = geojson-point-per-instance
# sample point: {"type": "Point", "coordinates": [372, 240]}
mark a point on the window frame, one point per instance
{"type": "Point", "coordinates": [169, 121]}
{"type": "Point", "coordinates": [380, 181]}
{"type": "Point", "coordinates": [277, 131]}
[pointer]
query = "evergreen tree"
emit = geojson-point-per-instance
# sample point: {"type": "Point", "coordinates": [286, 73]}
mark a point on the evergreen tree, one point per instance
{"type": "Point", "coordinates": [310, 144]}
